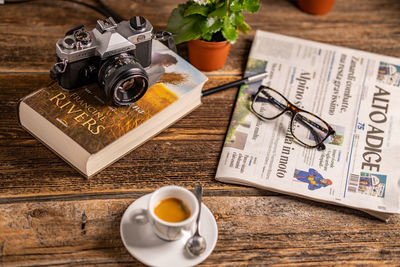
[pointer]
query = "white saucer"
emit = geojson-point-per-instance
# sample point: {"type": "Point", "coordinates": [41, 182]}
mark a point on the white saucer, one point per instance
{"type": "Point", "coordinates": [145, 246]}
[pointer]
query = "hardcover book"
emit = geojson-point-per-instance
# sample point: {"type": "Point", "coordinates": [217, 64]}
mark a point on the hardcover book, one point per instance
{"type": "Point", "coordinates": [90, 135]}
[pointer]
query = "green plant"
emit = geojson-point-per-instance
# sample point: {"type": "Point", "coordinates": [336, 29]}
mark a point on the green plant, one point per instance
{"type": "Point", "coordinates": [210, 20]}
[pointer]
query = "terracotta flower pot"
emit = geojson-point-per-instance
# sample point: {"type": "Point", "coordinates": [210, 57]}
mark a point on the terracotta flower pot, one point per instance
{"type": "Point", "coordinates": [316, 7]}
{"type": "Point", "coordinates": [208, 56]}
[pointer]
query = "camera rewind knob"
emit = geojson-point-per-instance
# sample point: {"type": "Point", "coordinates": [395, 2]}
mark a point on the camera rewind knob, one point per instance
{"type": "Point", "coordinates": [138, 23]}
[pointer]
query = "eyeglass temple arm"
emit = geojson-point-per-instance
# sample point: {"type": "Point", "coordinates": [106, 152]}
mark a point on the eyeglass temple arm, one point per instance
{"type": "Point", "coordinates": [316, 125]}
{"type": "Point", "coordinates": [274, 101]}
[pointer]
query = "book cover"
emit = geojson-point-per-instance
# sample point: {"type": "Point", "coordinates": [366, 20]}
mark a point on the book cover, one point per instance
{"type": "Point", "coordinates": [82, 116]}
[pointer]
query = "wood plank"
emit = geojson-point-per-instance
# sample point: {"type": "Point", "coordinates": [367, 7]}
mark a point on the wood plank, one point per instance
{"type": "Point", "coordinates": [33, 28]}
{"type": "Point", "coordinates": [252, 230]}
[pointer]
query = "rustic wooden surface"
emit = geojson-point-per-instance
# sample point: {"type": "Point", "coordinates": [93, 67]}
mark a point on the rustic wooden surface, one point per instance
{"type": "Point", "coordinates": [50, 215]}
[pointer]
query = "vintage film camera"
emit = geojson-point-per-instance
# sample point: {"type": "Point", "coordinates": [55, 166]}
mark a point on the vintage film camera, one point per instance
{"type": "Point", "coordinates": [117, 56]}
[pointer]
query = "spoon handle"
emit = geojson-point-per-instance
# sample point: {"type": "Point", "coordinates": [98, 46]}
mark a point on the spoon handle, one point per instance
{"type": "Point", "coordinates": [198, 191]}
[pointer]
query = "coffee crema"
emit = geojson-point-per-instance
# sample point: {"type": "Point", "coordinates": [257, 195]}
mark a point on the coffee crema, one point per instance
{"type": "Point", "coordinates": [172, 210]}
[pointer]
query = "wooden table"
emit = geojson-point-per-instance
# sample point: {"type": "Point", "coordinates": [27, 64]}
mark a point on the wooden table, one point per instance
{"type": "Point", "coordinates": [50, 215]}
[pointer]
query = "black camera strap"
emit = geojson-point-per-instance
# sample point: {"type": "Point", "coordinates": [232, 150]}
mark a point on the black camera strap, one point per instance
{"type": "Point", "coordinates": [58, 69]}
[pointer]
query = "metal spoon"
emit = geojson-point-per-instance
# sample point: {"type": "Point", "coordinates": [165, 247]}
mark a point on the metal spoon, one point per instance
{"type": "Point", "coordinates": [196, 244]}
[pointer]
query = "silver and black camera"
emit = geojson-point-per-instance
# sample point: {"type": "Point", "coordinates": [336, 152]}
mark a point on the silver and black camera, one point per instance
{"type": "Point", "coordinates": [114, 55]}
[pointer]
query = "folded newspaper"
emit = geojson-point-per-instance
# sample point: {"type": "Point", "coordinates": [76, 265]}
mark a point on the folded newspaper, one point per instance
{"type": "Point", "coordinates": [356, 92]}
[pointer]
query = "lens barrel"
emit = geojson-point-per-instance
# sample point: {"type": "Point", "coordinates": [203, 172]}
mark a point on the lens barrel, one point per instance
{"type": "Point", "coordinates": [123, 79]}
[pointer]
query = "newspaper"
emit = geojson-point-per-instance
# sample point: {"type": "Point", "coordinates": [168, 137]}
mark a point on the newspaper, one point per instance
{"type": "Point", "coordinates": [356, 92]}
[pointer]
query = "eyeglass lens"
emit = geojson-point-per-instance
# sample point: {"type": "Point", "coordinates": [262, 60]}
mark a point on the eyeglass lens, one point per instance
{"type": "Point", "coordinates": [307, 128]}
{"type": "Point", "coordinates": [269, 104]}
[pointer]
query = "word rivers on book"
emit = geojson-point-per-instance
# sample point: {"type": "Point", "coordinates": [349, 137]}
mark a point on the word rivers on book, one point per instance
{"type": "Point", "coordinates": [90, 123]}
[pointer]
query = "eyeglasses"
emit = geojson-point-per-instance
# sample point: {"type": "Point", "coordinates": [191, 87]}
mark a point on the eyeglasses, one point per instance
{"type": "Point", "coordinates": [307, 128]}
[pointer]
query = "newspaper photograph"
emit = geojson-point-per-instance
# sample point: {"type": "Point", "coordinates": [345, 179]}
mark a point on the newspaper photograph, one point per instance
{"type": "Point", "coordinates": [356, 92]}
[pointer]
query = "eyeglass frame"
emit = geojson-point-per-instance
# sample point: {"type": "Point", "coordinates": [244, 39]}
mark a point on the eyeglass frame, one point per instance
{"type": "Point", "coordinates": [293, 109]}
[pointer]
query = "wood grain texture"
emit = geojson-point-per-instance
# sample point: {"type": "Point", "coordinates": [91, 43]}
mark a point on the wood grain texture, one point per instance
{"type": "Point", "coordinates": [252, 231]}
{"type": "Point", "coordinates": [32, 29]}
{"type": "Point", "coordinates": [50, 215]}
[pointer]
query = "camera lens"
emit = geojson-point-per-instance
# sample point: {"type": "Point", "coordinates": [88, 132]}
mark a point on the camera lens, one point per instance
{"type": "Point", "coordinates": [123, 79]}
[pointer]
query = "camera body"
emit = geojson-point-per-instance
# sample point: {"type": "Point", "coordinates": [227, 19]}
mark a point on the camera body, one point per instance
{"type": "Point", "coordinates": [114, 55]}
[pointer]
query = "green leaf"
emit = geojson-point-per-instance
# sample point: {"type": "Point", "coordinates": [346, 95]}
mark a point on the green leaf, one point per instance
{"type": "Point", "coordinates": [236, 18]}
{"type": "Point", "coordinates": [219, 12]}
{"type": "Point", "coordinates": [195, 8]}
{"type": "Point", "coordinates": [175, 19]}
{"type": "Point", "coordinates": [236, 5]}
{"type": "Point", "coordinates": [230, 34]}
{"type": "Point", "coordinates": [186, 28]}
{"type": "Point", "coordinates": [211, 25]}
{"type": "Point", "coordinates": [207, 36]}
{"type": "Point", "coordinates": [251, 5]}
{"type": "Point", "coordinates": [244, 27]}
{"type": "Point", "coordinates": [229, 31]}
{"type": "Point", "coordinates": [219, 3]}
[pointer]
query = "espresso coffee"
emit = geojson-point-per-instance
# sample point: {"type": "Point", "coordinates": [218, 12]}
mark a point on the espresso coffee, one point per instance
{"type": "Point", "coordinates": [172, 210]}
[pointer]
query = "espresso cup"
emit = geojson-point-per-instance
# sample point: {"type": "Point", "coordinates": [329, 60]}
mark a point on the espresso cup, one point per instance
{"type": "Point", "coordinates": [162, 228]}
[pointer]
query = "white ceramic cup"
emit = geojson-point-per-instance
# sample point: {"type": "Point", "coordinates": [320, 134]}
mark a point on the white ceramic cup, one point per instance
{"type": "Point", "coordinates": [163, 229]}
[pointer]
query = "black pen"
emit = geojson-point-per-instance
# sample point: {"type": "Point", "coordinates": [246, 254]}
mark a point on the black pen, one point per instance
{"type": "Point", "coordinates": [251, 79]}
